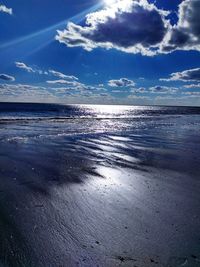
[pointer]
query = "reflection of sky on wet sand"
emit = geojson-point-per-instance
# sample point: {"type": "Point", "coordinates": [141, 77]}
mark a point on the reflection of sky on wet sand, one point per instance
{"type": "Point", "coordinates": [85, 145]}
{"type": "Point", "coordinates": [99, 191]}
{"type": "Point", "coordinates": [128, 143]}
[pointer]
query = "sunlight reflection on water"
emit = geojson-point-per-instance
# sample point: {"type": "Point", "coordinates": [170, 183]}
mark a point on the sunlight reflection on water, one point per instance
{"type": "Point", "coordinates": [112, 111]}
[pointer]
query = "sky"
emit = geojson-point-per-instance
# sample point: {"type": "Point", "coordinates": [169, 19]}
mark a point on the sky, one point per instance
{"type": "Point", "coordinates": [140, 52]}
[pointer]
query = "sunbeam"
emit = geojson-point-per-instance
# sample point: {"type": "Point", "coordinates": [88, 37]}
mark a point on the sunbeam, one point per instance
{"type": "Point", "coordinates": [50, 30]}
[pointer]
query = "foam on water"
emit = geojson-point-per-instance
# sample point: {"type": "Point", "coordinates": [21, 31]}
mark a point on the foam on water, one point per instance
{"type": "Point", "coordinates": [21, 122]}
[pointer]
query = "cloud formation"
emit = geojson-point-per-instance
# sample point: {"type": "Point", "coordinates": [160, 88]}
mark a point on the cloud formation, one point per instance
{"type": "Point", "coordinates": [140, 90]}
{"type": "Point", "coordinates": [72, 85]}
{"type": "Point", "coordinates": [5, 9]}
{"type": "Point", "coordinates": [91, 94]}
{"type": "Point", "coordinates": [192, 93]}
{"type": "Point", "coordinates": [136, 26]}
{"type": "Point", "coordinates": [33, 93]}
{"type": "Point", "coordinates": [192, 86]}
{"type": "Point", "coordinates": [185, 35]}
{"type": "Point", "coordinates": [6, 77]}
{"type": "Point", "coordinates": [185, 76]}
{"type": "Point", "coordinates": [25, 92]}
{"type": "Point", "coordinates": [163, 89]}
{"type": "Point", "coordinates": [123, 82]}
{"type": "Point", "coordinates": [69, 83]}
{"type": "Point", "coordinates": [68, 80]}
{"type": "Point", "coordinates": [133, 26]}
{"type": "Point", "coordinates": [23, 66]}
{"type": "Point", "coordinates": [62, 76]}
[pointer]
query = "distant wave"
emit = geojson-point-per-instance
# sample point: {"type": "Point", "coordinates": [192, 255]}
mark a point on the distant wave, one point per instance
{"type": "Point", "coordinates": [27, 112]}
{"type": "Point", "coordinates": [65, 119]}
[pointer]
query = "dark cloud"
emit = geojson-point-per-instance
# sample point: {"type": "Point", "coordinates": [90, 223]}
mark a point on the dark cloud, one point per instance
{"type": "Point", "coordinates": [186, 34]}
{"type": "Point", "coordinates": [136, 26]}
{"type": "Point", "coordinates": [6, 77]}
{"type": "Point", "coordinates": [130, 26]}
{"type": "Point", "coordinates": [119, 30]}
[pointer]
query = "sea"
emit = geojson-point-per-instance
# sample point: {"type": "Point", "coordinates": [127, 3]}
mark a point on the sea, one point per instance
{"type": "Point", "coordinates": [32, 120]}
{"type": "Point", "coordinates": [167, 129]}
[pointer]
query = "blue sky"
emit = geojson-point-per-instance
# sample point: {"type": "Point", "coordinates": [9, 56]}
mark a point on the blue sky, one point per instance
{"type": "Point", "coordinates": [100, 52]}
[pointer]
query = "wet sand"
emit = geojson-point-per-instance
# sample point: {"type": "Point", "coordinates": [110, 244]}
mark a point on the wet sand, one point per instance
{"type": "Point", "coordinates": [99, 200]}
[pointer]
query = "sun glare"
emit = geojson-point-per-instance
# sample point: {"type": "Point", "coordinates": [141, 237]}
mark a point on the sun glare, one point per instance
{"type": "Point", "coordinates": [110, 2]}
{"type": "Point", "coordinates": [123, 4]}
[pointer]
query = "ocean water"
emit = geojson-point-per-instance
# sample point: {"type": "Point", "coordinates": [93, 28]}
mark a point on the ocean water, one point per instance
{"type": "Point", "coordinates": [90, 185]}
{"type": "Point", "coordinates": [36, 120]}
{"type": "Point", "coordinates": [171, 131]}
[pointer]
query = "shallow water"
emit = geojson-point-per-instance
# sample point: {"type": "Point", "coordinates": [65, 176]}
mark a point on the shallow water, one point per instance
{"type": "Point", "coordinates": [156, 136]}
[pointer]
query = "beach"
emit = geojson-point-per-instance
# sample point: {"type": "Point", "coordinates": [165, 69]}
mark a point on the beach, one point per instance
{"type": "Point", "coordinates": [99, 186]}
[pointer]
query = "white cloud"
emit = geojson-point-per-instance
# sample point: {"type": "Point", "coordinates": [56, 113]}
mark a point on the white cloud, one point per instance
{"type": "Point", "coordinates": [25, 92]}
{"type": "Point", "coordinates": [60, 82]}
{"type": "Point", "coordinates": [140, 90]}
{"type": "Point", "coordinates": [192, 85]}
{"type": "Point", "coordinates": [123, 82]}
{"type": "Point", "coordinates": [76, 86]}
{"type": "Point", "coordinates": [192, 93]}
{"type": "Point", "coordinates": [23, 66]}
{"type": "Point", "coordinates": [158, 89]}
{"type": "Point", "coordinates": [68, 83]}
{"type": "Point", "coordinates": [119, 91]}
{"type": "Point", "coordinates": [62, 76]}
{"type": "Point", "coordinates": [185, 76]}
{"type": "Point", "coordinates": [5, 9]}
